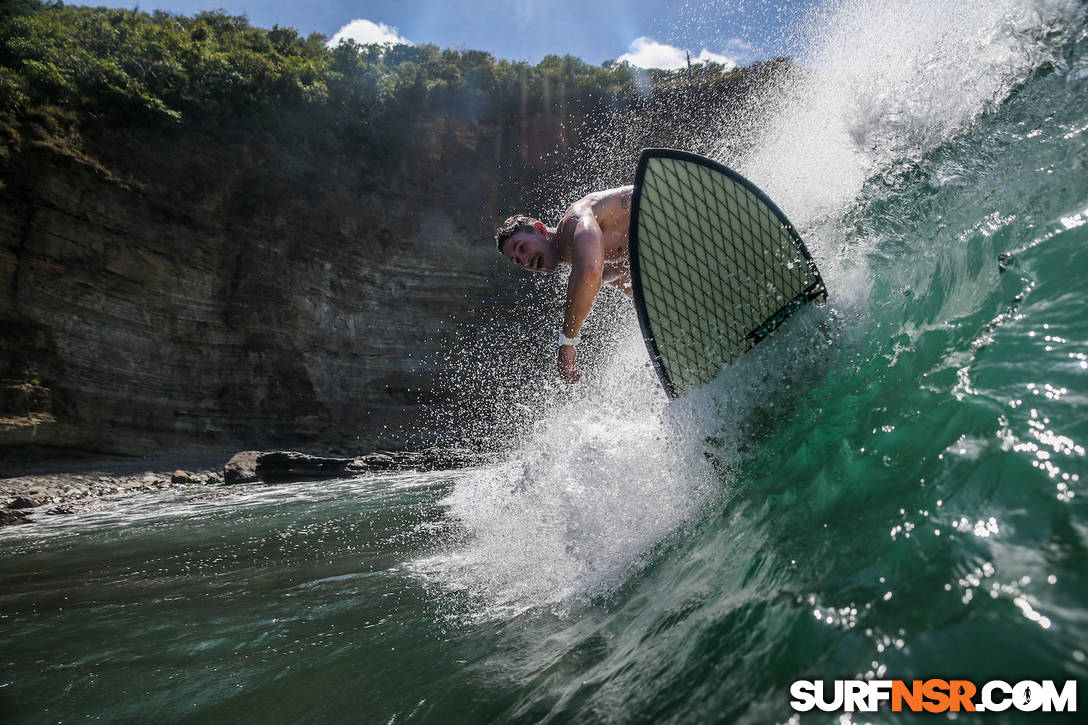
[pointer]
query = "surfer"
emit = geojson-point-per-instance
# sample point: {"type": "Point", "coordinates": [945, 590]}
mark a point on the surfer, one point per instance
{"type": "Point", "coordinates": [592, 237]}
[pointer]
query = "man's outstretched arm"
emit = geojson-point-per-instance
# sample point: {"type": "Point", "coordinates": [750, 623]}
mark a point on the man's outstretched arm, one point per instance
{"type": "Point", "coordinates": [587, 266]}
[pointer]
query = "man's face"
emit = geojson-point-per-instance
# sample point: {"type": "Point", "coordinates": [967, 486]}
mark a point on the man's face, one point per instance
{"type": "Point", "coordinates": [532, 250]}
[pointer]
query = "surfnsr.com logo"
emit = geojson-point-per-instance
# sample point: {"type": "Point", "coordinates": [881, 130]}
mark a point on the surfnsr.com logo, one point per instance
{"type": "Point", "coordinates": [933, 695]}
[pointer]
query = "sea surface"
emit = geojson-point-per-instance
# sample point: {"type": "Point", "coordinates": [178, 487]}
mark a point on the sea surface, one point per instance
{"type": "Point", "coordinates": [894, 485]}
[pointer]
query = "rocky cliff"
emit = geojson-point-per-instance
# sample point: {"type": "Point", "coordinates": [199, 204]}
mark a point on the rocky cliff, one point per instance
{"type": "Point", "coordinates": [198, 288]}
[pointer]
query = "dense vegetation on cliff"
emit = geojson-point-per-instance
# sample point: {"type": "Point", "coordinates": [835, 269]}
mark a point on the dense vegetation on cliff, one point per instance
{"type": "Point", "coordinates": [65, 66]}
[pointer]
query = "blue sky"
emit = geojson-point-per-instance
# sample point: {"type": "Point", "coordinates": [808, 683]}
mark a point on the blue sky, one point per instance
{"type": "Point", "coordinates": [649, 33]}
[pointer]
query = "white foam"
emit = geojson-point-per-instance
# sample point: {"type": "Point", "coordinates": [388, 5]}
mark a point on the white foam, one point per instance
{"type": "Point", "coordinates": [589, 491]}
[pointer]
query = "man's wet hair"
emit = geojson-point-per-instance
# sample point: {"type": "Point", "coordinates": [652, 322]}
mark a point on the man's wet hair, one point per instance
{"type": "Point", "coordinates": [510, 227]}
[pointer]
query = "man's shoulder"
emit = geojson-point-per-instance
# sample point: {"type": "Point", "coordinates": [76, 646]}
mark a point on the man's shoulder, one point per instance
{"type": "Point", "coordinates": [575, 212]}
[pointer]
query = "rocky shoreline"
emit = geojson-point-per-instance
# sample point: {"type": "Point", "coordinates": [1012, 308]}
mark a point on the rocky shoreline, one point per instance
{"type": "Point", "coordinates": [75, 486]}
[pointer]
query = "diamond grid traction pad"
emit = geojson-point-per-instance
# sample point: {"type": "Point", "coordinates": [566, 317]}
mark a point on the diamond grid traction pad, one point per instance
{"type": "Point", "coordinates": [716, 266]}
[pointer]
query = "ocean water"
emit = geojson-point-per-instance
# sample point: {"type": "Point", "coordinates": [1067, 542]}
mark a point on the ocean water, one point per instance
{"type": "Point", "coordinates": [896, 485]}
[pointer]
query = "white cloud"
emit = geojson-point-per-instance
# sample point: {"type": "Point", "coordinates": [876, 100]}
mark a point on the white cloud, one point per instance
{"type": "Point", "coordinates": [366, 32]}
{"type": "Point", "coordinates": [645, 52]}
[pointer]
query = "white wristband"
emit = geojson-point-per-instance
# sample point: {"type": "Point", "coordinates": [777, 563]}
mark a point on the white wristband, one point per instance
{"type": "Point", "coordinates": [561, 339]}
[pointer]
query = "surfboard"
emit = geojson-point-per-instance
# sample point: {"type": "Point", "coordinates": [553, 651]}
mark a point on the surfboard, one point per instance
{"type": "Point", "coordinates": [715, 266]}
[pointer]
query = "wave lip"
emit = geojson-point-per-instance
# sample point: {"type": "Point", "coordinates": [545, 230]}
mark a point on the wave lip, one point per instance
{"type": "Point", "coordinates": [883, 81]}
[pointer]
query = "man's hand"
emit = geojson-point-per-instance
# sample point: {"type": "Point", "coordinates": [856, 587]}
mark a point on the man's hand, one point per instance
{"type": "Point", "coordinates": [566, 363]}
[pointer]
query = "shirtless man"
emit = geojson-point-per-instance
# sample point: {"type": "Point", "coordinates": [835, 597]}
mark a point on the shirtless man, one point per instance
{"type": "Point", "coordinates": [592, 238]}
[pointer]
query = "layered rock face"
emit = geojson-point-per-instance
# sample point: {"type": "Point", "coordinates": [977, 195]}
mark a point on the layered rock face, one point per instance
{"type": "Point", "coordinates": [203, 289]}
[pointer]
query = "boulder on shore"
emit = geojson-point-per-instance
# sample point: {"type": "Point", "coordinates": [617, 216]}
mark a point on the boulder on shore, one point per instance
{"type": "Point", "coordinates": [9, 517]}
{"type": "Point", "coordinates": [25, 502]}
{"type": "Point", "coordinates": [241, 468]}
{"type": "Point", "coordinates": [288, 466]}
